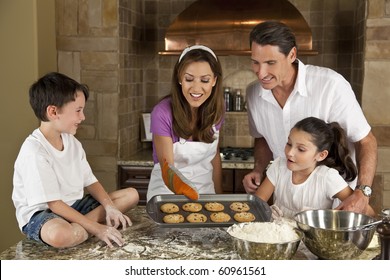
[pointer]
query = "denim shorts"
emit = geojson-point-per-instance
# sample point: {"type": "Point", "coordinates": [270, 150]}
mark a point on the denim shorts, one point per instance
{"type": "Point", "coordinates": [33, 228]}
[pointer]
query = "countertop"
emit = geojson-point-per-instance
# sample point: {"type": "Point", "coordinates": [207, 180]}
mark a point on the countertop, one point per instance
{"type": "Point", "coordinates": [145, 158]}
{"type": "Point", "coordinates": [145, 240]}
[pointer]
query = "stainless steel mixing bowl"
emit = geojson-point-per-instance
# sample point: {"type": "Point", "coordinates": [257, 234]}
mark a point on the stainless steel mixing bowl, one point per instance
{"type": "Point", "coordinates": [249, 250]}
{"type": "Point", "coordinates": [328, 233]}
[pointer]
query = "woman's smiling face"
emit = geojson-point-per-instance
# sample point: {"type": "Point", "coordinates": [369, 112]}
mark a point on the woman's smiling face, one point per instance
{"type": "Point", "coordinates": [197, 83]}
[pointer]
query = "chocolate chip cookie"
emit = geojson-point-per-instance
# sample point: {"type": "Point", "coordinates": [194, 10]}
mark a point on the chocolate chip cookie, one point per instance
{"type": "Point", "coordinates": [239, 206]}
{"type": "Point", "coordinates": [169, 208]}
{"type": "Point", "coordinates": [196, 218]}
{"type": "Point", "coordinates": [214, 206]}
{"type": "Point", "coordinates": [173, 218]}
{"type": "Point", "coordinates": [192, 207]}
{"type": "Point", "coordinates": [220, 217]}
{"type": "Point", "coordinates": [244, 217]}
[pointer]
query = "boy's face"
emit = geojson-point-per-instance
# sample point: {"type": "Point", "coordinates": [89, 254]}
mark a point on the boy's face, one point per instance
{"type": "Point", "coordinates": [71, 115]}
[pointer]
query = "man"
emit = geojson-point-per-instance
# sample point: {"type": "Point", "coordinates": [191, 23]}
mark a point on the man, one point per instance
{"type": "Point", "coordinates": [287, 92]}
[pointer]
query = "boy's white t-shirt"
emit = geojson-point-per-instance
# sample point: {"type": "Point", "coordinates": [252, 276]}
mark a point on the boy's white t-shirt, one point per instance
{"type": "Point", "coordinates": [43, 173]}
{"type": "Point", "coordinates": [316, 192]}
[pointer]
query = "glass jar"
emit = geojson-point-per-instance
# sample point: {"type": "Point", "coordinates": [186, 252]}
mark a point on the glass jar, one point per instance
{"type": "Point", "coordinates": [238, 101]}
{"type": "Point", "coordinates": [228, 99]}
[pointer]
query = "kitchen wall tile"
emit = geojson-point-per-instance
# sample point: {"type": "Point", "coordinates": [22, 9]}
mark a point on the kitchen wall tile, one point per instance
{"type": "Point", "coordinates": [109, 179]}
{"type": "Point", "coordinates": [107, 126]}
{"type": "Point", "coordinates": [94, 13]}
{"type": "Point", "coordinates": [99, 60]}
{"type": "Point", "coordinates": [109, 13]}
{"type": "Point", "coordinates": [87, 44]}
{"type": "Point", "coordinates": [99, 148]}
{"type": "Point", "coordinates": [69, 64]}
{"type": "Point", "coordinates": [383, 160]}
{"type": "Point", "coordinates": [376, 90]}
{"type": "Point", "coordinates": [376, 8]}
{"type": "Point", "coordinates": [86, 132]}
{"type": "Point", "coordinates": [382, 134]}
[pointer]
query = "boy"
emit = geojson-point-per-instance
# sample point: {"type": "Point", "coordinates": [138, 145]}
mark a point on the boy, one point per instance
{"type": "Point", "coordinates": [51, 172]}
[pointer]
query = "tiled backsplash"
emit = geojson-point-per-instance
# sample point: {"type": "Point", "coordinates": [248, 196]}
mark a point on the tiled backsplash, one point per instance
{"type": "Point", "coordinates": [235, 131]}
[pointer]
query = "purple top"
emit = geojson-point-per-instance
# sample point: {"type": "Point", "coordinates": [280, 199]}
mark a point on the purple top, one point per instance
{"type": "Point", "coordinates": [161, 122]}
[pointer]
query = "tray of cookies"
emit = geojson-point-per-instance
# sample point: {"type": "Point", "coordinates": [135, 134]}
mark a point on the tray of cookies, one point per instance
{"type": "Point", "coordinates": [210, 210]}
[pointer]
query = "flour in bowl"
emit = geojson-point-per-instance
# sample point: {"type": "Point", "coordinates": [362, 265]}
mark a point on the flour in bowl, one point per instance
{"type": "Point", "coordinates": [265, 232]}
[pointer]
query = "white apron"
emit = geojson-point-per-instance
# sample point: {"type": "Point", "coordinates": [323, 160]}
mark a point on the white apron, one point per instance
{"type": "Point", "coordinates": [193, 159]}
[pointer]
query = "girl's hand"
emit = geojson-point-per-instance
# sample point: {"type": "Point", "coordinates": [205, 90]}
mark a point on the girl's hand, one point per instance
{"type": "Point", "coordinates": [276, 212]}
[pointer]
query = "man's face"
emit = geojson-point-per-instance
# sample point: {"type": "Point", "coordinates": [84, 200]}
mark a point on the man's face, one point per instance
{"type": "Point", "coordinates": [272, 67]}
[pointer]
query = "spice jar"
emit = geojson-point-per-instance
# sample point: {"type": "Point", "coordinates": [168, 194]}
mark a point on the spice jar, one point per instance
{"type": "Point", "coordinates": [238, 101]}
{"type": "Point", "coordinates": [228, 99]}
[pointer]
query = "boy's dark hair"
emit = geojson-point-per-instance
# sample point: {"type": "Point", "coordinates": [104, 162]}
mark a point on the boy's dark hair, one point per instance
{"type": "Point", "coordinates": [53, 89]}
{"type": "Point", "coordinates": [330, 137]}
{"type": "Point", "coordinates": [273, 33]}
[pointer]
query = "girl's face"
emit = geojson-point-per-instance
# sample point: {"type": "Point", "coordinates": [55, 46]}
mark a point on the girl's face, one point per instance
{"type": "Point", "coordinates": [197, 83]}
{"type": "Point", "coordinates": [301, 153]}
{"type": "Point", "coordinates": [71, 115]}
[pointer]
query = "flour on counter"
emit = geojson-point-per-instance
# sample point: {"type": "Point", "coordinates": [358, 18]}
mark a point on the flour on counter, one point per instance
{"type": "Point", "coordinates": [264, 232]}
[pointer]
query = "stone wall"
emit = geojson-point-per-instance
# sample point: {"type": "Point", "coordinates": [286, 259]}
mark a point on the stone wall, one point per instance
{"type": "Point", "coordinates": [88, 51]}
{"type": "Point", "coordinates": [376, 88]}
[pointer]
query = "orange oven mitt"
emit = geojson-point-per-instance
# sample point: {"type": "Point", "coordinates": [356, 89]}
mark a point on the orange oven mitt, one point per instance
{"type": "Point", "coordinates": [177, 183]}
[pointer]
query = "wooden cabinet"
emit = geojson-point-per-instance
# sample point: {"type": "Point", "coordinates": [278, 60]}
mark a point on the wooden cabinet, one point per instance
{"type": "Point", "coordinates": [228, 180]}
{"type": "Point", "coordinates": [232, 180]}
{"type": "Point", "coordinates": [137, 177]}
{"type": "Point", "coordinates": [239, 175]}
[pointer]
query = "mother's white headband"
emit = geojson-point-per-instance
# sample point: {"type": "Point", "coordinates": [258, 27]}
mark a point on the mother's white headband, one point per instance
{"type": "Point", "coordinates": [195, 47]}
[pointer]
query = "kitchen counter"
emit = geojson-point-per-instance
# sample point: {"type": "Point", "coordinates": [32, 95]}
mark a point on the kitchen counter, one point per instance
{"type": "Point", "coordinates": [145, 240]}
{"type": "Point", "coordinates": [145, 158]}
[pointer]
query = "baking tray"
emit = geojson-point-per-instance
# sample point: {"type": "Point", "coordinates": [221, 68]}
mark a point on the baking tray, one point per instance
{"type": "Point", "coordinates": [258, 207]}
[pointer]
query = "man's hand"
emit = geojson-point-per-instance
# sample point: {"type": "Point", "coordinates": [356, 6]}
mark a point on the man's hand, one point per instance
{"type": "Point", "coordinates": [252, 181]}
{"type": "Point", "coordinates": [357, 202]}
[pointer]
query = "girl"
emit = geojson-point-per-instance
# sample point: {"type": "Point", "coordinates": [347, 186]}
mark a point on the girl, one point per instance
{"type": "Point", "coordinates": [185, 124]}
{"type": "Point", "coordinates": [314, 172]}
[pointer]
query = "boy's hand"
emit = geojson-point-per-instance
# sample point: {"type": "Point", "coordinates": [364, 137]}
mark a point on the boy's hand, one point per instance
{"type": "Point", "coordinates": [109, 235]}
{"type": "Point", "coordinates": [115, 218]}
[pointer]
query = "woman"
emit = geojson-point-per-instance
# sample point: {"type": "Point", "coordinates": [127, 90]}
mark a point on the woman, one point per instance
{"type": "Point", "coordinates": [186, 123]}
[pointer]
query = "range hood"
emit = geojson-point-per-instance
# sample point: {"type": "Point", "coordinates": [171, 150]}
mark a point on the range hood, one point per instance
{"type": "Point", "coordinates": [224, 25]}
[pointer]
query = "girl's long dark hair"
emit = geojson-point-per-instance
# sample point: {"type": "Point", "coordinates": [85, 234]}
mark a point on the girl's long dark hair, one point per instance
{"type": "Point", "coordinates": [330, 137]}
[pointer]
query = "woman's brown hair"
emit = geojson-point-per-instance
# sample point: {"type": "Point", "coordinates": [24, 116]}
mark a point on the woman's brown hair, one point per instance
{"type": "Point", "coordinates": [209, 113]}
